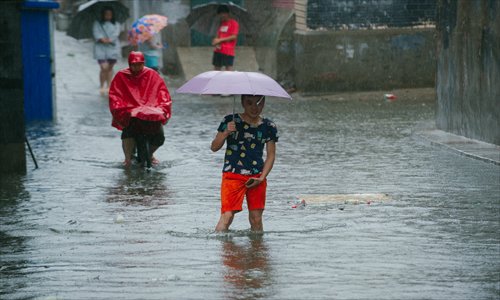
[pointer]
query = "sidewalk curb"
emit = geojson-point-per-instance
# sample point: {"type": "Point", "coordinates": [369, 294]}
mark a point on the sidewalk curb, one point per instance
{"type": "Point", "coordinates": [479, 150]}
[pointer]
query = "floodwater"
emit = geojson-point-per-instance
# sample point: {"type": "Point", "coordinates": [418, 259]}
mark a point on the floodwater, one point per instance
{"type": "Point", "coordinates": [436, 239]}
{"type": "Point", "coordinates": [81, 226]}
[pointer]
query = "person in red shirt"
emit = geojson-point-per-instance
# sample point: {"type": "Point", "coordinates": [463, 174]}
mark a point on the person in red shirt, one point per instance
{"type": "Point", "coordinates": [139, 101]}
{"type": "Point", "coordinates": [226, 39]}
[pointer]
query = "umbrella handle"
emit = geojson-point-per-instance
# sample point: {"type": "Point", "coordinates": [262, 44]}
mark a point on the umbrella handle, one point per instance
{"type": "Point", "coordinates": [235, 133]}
{"type": "Point", "coordinates": [234, 105]}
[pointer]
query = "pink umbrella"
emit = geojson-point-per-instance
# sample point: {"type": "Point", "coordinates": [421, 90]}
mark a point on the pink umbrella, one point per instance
{"type": "Point", "coordinates": [234, 83]}
{"type": "Point", "coordinates": [145, 28]}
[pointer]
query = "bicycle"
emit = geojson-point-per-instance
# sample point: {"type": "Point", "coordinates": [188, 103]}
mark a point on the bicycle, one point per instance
{"type": "Point", "coordinates": [144, 134]}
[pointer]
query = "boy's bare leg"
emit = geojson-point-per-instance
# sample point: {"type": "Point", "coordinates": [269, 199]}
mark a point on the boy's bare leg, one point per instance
{"type": "Point", "coordinates": [128, 146]}
{"type": "Point", "coordinates": [225, 221]}
{"type": "Point", "coordinates": [255, 218]}
{"type": "Point", "coordinates": [229, 68]}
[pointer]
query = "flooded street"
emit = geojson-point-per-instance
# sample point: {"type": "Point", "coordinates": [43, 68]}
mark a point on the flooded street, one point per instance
{"type": "Point", "coordinates": [81, 226]}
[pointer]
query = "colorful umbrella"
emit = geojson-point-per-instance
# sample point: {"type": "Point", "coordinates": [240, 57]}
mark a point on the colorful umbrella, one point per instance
{"type": "Point", "coordinates": [145, 28]}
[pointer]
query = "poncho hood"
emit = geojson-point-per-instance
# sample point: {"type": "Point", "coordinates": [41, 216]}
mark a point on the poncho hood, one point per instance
{"type": "Point", "coordinates": [135, 57]}
{"type": "Point", "coordinates": [144, 96]}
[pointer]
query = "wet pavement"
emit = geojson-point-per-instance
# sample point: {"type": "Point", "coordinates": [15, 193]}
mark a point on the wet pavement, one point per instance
{"type": "Point", "coordinates": [81, 226]}
{"type": "Point", "coordinates": [468, 147]}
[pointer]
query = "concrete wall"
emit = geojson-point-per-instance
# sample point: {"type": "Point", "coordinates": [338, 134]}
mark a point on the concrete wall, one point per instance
{"type": "Point", "coordinates": [468, 68]}
{"type": "Point", "coordinates": [332, 61]}
{"type": "Point", "coordinates": [12, 150]}
{"type": "Point", "coordinates": [352, 45]}
{"type": "Point", "coordinates": [273, 41]}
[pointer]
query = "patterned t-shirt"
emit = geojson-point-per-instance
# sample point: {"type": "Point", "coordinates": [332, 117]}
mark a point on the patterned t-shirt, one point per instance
{"type": "Point", "coordinates": [245, 147]}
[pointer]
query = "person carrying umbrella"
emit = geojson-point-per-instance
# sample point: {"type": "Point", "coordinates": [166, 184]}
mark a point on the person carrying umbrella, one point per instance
{"type": "Point", "coordinates": [107, 46]}
{"type": "Point", "coordinates": [139, 101]}
{"type": "Point", "coordinates": [225, 41]}
{"type": "Point", "coordinates": [145, 36]}
{"type": "Point", "coordinates": [245, 170]}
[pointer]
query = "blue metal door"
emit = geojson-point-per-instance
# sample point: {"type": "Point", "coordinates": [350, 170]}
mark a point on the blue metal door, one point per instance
{"type": "Point", "coordinates": [37, 61]}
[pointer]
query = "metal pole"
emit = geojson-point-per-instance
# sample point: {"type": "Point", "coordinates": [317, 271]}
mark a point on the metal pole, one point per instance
{"type": "Point", "coordinates": [31, 152]}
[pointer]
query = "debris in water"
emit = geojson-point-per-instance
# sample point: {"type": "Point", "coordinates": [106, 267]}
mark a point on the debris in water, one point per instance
{"type": "Point", "coordinates": [119, 219]}
{"type": "Point", "coordinates": [302, 204]}
{"type": "Point", "coordinates": [390, 97]}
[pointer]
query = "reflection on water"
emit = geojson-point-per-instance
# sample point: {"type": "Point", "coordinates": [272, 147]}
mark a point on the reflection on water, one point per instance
{"type": "Point", "coordinates": [136, 186]}
{"type": "Point", "coordinates": [12, 208]}
{"type": "Point", "coordinates": [247, 273]}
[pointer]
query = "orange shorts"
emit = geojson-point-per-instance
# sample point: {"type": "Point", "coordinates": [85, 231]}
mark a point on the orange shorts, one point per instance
{"type": "Point", "coordinates": [233, 190]}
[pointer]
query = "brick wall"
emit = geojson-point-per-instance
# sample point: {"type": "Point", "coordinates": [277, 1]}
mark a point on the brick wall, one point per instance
{"type": "Point", "coordinates": [355, 14]}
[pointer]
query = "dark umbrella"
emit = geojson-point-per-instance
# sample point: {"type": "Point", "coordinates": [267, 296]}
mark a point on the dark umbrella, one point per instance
{"type": "Point", "coordinates": [203, 18]}
{"type": "Point", "coordinates": [89, 12]}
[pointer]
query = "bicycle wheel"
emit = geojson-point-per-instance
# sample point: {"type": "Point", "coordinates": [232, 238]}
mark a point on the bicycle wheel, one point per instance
{"type": "Point", "coordinates": [142, 150]}
{"type": "Point", "coordinates": [147, 151]}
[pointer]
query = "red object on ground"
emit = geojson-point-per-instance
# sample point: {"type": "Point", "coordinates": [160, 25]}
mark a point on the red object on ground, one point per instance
{"type": "Point", "coordinates": [390, 97]}
{"type": "Point", "coordinates": [144, 96]}
{"type": "Point", "coordinates": [301, 204]}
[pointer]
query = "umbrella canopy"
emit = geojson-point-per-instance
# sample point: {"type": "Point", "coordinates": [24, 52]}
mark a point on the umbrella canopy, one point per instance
{"type": "Point", "coordinates": [89, 12]}
{"type": "Point", "coordinates": [145, 28]}
{"type": "Point", "coordinates": [235, 83]}
{"type": "Point", "coordinates": [203, 18]}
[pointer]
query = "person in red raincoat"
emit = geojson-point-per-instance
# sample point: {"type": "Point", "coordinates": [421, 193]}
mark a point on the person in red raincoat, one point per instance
{"type": "Point", "coordinates": [139, 102]}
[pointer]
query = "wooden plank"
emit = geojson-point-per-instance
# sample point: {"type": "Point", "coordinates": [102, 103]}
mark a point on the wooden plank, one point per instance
{"type": "Point", "coordinates": [345, 198]}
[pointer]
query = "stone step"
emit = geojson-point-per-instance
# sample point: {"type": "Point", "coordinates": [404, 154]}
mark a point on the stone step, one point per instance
{"type": "Point", "coordinates": [196, 60]}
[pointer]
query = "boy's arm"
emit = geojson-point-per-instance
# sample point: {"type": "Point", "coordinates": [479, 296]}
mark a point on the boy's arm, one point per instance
{"type": "Point", "coordinates": [221, 137]}
{"type": "Point", "coordinates": [219, 141]}
{"type": "Point", "coordinates": [216, 41]}
{"type": "Point", "coordinates": [233, 30]}
{"type": "Point", "coordinates": [270, 157]}
{"type": "Point", "coordinates": [268, 165]}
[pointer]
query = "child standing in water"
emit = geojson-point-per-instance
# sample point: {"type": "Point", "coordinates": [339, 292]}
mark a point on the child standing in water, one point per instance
{"type": "Point", "coordinates": [245, 170]}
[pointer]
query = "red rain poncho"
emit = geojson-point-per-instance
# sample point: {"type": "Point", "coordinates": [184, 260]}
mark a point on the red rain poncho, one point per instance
{"type": "Point", "coordinates": [144, 96]}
